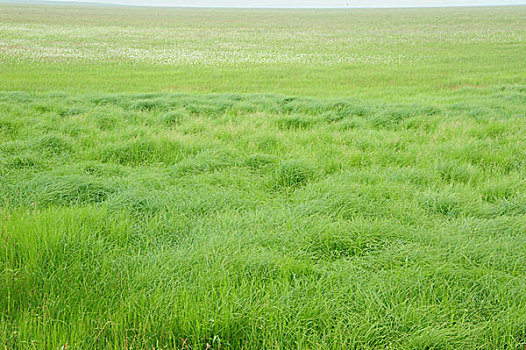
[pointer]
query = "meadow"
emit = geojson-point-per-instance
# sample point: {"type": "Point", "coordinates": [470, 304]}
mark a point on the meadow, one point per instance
{"type": "Point", "coordinates": [242, 179]}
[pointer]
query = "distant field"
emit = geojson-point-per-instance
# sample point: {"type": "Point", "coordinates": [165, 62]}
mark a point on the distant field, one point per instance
{"type": "Point", "coordinates": [196, 179]}
{"type": "Point", "coordinates": [368, 53]}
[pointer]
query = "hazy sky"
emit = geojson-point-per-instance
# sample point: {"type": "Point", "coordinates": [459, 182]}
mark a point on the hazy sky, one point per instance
{"type": "Point", "coordinates": [308, 3]}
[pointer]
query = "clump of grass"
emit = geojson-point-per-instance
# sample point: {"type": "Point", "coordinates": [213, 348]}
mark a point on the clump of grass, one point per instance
{"type": "Point", "coordinates": [293, 173]}
{"type": "Point", "coordinates": [106, 122]}
{"type": "Point", "coordinates": [479, 113]}
{"type": "Point", "coordinates": [344, 110]}
{"type": "Point", "coordinates": [8, 129]}
{"type": "Point", "coordinates": [501, 190]}
{"type": "Point", "coordinates": [71, 112]}
{"type": "Point", "coordinates": [23, 161]}
{"type": "Point", "coordinates": [208, 110]}
{"type": "Point", "coordinates": [260, 160]}
{"type": "Point", "coordinates": [53, 144]}
{"type": "Point", "coordinates": [331, 117]}
{"type": "Point", "coordinates": [451, 171]}
{"type": "Point", "coordinates": [420, 123]}
{"type": "Point", "coordinates": [348, 124]}
{"type": "Point", "coordinates": [172, 118]}
{"type": "Point", "coordinates": [343, 239]}
{"type": "Point", "coordinates": [102, 169]}
{"type": "Point", "coordinates": [268, 142]}
{"type": "Point", "coordinates": [442, 204]}
{"type": "Point", "coordinates": [67, 190]}
{"type": "Point", "coordinates": [139, 202]}
{"type": "Point", "coordinates": [205, 163]}
{"type": "Point", "coordinates": [144, 151]}
{"type": "Point", "coordinates": [296, 122]}
{"type": "Point", "coordinates": [149, 105]}
{"type": "Point", "coordinates": [74, 129]}
{"type": "Point", "coordinates": [490, 129]}
{"type": "Point", "coordinates": [42, 108]}
{"type": "Point", "coordinates": [391, 117]}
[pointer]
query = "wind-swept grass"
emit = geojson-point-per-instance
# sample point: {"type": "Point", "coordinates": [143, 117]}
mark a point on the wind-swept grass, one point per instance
{"type": "Point", "coordinates": [385, 211]}
{"type": "Point", "coordinates": [262, 222]}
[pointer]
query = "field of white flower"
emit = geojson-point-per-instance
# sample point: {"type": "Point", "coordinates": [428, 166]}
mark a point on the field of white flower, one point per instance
{"type": "Point", "coordinates": [260, 51]}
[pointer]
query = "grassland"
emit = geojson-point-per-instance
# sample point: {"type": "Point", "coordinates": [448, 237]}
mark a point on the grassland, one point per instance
{"type": "Point", "coordinates": [262, 179]}
{"type": "Point", "coordinates": [382, 54]}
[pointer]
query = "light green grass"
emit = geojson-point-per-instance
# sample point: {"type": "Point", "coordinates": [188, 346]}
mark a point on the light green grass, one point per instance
{"type": "Point", "coordinates": [379, 54]}
{"type": "Point", "coordinates": [385, 211]}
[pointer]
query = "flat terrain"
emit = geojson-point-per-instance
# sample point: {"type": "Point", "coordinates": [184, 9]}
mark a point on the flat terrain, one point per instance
{"type": "Point", "coordinates": [393, 54]}
{"type": "Point", "coordinates": [262, 179]}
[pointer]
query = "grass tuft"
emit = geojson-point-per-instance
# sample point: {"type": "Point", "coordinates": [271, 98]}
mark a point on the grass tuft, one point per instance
{"type": "Point", "coordinates": [293, 173]}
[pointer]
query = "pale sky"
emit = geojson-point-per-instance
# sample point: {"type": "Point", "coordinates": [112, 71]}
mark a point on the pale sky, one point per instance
{"type": "Point", "coordinates": [306, 3]}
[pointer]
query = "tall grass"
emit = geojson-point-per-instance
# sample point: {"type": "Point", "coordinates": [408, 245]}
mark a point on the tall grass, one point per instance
{"type": "Point", "coordinates": [385, 211]}
{"type": "Point", "coordinates": [262, 222]}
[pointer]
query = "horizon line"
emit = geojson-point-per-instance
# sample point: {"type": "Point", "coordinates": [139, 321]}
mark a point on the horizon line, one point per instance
{"type": "Point", "coordinates": [123, 4]}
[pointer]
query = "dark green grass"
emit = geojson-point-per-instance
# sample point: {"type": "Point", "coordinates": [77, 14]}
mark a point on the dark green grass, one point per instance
{"type": "Point", "coordinates": [263, 222]}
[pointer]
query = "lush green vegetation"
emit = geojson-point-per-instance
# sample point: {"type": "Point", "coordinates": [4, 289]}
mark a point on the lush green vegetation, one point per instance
{"type": "Point", "coordinates": [263, 222]}
{"type": "Point", "coordinates": [390, 219]}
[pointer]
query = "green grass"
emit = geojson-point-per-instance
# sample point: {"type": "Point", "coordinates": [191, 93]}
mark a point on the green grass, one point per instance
{"type": "Point", "coordinates": [380, 54]}
{"type": "Point", "coordinates": [381, 206]}
{"type": "Point", "coordinates": [258, 221]}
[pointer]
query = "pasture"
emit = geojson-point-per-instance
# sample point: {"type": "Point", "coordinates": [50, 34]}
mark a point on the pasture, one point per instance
{"type": "Point", "coordinates": [242, 179]}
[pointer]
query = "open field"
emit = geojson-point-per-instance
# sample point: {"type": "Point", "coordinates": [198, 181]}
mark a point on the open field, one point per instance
{"type": "Point", "coordinates": [262, 179]}
{"type": "Point", "coordinates": [385, 54]}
